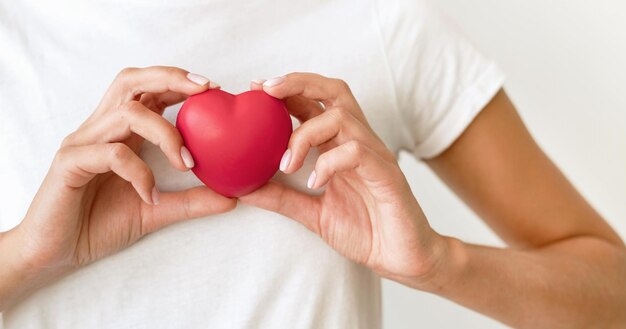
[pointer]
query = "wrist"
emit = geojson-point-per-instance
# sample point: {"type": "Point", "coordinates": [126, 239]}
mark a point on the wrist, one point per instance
{"type": "Point", "coordinates": [14, 272]}
{"type": "Point", "coordinates": [448, 266]}
{"type": "Point", "coordinates": [21, 272]}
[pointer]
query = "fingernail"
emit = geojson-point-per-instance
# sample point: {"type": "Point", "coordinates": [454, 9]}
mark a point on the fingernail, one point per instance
{"type": "Point", "coordinates": [259, 81]}
{"type": "Point", "coordinates": [284, 161]}
{"type": "Point", "coordinates": [187, 158]}
{"type": "Point", "coordinates": [197, 79]}
{"type": "Point", "coordinates": [273, 82]}
{"type": "Point", "coordinates": [311, 180]}
{"type": "Point", "coordinates": [156, 196]}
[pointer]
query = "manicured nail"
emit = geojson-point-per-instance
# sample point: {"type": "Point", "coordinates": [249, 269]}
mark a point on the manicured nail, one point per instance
{"type": "Point", "coordinates": [156, 196]}
{"type": "Point", "coordinates": [259, 81]}
{"type": "Point", "coordinates": [284, 161]}
{"type": "Point", "coordinates": [311, 180]}
{"type": "Point", "coordinates": [197, 79]}
{"type": "Point", "coordinates": [187, 158]}
{"type": "Point", "coordinates": [273, 82]}
{"type": "Point", "coordinates": [213, 85]}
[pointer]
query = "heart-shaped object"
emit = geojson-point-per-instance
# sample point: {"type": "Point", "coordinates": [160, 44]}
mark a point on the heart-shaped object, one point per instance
{"type": "Point", "coordinates": [236, 141]}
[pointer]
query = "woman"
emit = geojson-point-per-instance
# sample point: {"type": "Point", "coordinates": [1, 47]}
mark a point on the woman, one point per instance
{"type": "Point", "coordinates": [95, 247]}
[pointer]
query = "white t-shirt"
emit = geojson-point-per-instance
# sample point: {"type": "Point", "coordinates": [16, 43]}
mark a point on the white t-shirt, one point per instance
{"type": "Point", "coordinates": [419, 81]}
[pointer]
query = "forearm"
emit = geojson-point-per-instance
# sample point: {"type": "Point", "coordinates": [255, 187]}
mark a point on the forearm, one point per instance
{"type": "Point", "coordinates": [575, 283]}
{"type": "Point", "coordinates": [10, 269]}
{"type": "Point", "coordinates": [20, 273]}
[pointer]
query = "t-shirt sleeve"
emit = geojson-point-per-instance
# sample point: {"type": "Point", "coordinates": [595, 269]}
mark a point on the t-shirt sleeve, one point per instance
{"type": "Point", "coordinates": [441, 80]}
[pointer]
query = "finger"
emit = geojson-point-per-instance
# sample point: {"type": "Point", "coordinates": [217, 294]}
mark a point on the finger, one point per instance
{"type": "Point", "coordinates": [77, 165]}
{"type": "Point", "coordinates": [158, 102]}
{"type": "Point", "coordinates": [300, 107]}
{"type": "Point", "coordinates": [349, 156]}
{"type": "Point", "coordinates": [257, 84]}
{"type": "Point", "coordinates": [182, 205]}
{"type": "Point", "coordinates": [278, 198]}
{"type": "Point", "coordinates": [134, 117]}
{"type": "Point", "coordinates": [134, 142]}
{"type": "Point", "coordinates": [303, 109]}
{"type": "Point", "coordinates": [334, 125]}
{"type": "Point", "coordinates": [130, 83]}
{"type": "Point", "coordinates": [308, 85]}
{"type": "Point", "coordinates": [331, 92]}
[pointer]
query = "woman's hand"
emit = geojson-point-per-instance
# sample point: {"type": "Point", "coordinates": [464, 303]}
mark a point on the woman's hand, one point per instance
{"type": "Point", "coordinates": [99, 196]}
{"type": "Point", "coordinates": [367, 211]}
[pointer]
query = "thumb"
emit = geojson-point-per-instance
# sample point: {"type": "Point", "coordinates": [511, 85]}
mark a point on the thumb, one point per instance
{"type": "Point", "coordinates": [286, 201]}
{"type": "Point", "coordinates": [182, 205]}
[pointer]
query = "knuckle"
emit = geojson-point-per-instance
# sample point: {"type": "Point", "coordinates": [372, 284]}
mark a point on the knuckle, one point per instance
{"type": "Point", "coordinates": [169, 139]}
{"type": "Point", "coordinates": [119, 151]}
{"type": "Point", "coordinates": [292, 75]}
{"type": "Point", "coordinates": [340, 115]}
{"type": "Point", "coordinates": [341, 85]}
{"type": "Point", "coordinates": [172, 135]}
{"type": "Point", "coordinates": [124, 79]}
{"type": "Point", "coordinates": [323, 163]}
{"type": "Point", "coordinates": [68, 140]}
{"type": "Point", "coordinates": [355, 149]}
{"type": "Point", "coordinates": [126, 72]}
{"type": "Point", "coordinates": [174, 76]}
{"type": "Point", "coordinates": [145, 175]}
{"type": "Point", "coordinates": [171, 70]}
{"type": "Point", "coordinates": [126, 112]}
{"type": "Point", "coordinates": [129, 111]}
{"type": "Point", "coordinates": [299, 138]}
{"type": "Point", "coordinates": [62, 156]}
{"type": "Point", "coordinates": [131, 106]}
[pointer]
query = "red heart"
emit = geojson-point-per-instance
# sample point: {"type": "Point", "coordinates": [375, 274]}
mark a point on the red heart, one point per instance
{"type": "Point", "coordinates": [236, 141]}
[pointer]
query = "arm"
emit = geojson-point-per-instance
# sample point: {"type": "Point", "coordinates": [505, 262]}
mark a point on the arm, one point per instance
{"type": "Point", "coordinates": [566, 266]}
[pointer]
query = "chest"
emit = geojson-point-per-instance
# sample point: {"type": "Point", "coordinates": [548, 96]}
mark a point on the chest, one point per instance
{"type": "Point", "coordinates": [57, 67]}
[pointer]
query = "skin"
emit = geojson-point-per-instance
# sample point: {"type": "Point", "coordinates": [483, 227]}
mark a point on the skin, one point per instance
{"type": "Point", "coordinates": [564, 267]}
{"type": "Point", "coordinates": [99, 197]}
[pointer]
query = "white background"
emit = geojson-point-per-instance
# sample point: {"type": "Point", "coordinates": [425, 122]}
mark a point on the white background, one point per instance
{"type": "Point", "coordinates": [566, 68]}
{"type": "Point", "coordinates": [565, 62]}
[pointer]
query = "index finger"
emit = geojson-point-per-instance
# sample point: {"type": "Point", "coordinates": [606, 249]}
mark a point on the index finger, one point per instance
{"type": "Point", "coordinates": [131, 83]}
{"type": "Point", "coordinates": [158, 102]}
{"type": "Point", "coordinates": [329, 91]}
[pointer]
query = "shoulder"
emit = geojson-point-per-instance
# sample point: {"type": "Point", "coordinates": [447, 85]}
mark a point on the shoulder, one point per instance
{"type": "Point", "coordinates": [415, 13]}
